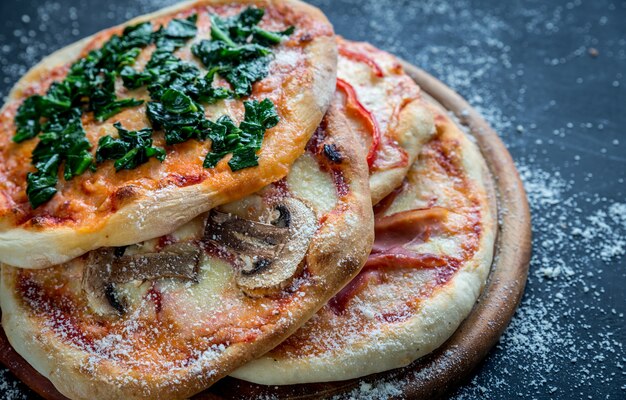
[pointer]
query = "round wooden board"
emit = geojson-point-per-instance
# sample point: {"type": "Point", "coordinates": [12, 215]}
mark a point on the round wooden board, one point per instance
{"type": "Point", "coordinates": [444, 369]}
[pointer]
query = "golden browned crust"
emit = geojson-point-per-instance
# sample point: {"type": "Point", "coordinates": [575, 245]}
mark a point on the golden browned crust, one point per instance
{"type": "Point", "coordinates": [415, 127]}
{"type": "Point", "coordinates": [332, 348]}
{"type": "Point", "coordinates": [160, 207]}
{"type": "Point", "coordinates": [336, 253]}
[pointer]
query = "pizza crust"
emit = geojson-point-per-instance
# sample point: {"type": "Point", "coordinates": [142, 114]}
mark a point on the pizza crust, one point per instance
{"type": "Point", "coordinates": [415, 128]}
{"type": "Point", "coordinates": [393, 345]}
{"type": "Point", "coordinates": [395, 101]}
{"type": "Point", "coordinates": [336, 253]}
{"type": "Point", "coordinates": [153, 214]}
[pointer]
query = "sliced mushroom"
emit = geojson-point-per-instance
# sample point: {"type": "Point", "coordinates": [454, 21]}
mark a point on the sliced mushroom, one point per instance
{"type": "Point", "coordinates": [269, 254]}
{"type": "Point", "coordinates": [107, 268]}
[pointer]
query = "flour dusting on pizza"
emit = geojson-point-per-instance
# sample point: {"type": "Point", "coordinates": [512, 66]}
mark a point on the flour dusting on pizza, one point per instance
{"type": "Point", "coordinates": [225, 187]}
{"type": "Point", "coordinates": [168, 317]}
{"type": "Point", "coordinates": [434, 242]}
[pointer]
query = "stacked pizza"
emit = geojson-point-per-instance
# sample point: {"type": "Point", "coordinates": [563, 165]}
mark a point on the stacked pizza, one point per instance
{"type": "Point", "coordinates": [226, 187]}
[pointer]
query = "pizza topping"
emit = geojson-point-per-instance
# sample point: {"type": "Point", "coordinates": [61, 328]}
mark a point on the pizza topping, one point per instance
{"type": "Point", "coordinates": [239, 51]}
{"type": "Point", "coordinates": [354, 105]}
{"type": "Point", "coordinates": [109, 267]}
{"type": "Point", "coordinates": [360, 57]}
{"type": "Point", "coordinates": [401, 257]}
{"type": "Point", "coordinates": [407, 227]}
{"type": "Point", "coordinates": [268, 253]}
{"type": "Point", "coordinates": [394, 235]}
{"type": "Point", "coordinates": [63, 141]}
{"type": "Point", "coordinates": [242, 142]}
{"type": "Point", "coordinates": [131, 149]}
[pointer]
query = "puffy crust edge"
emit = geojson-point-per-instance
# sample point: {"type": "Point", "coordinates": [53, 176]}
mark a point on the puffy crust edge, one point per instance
{"type": "Point", "coordinates": [334, 258]}
{"type": "Point", "coordinates": [415, 127]}
{"type": "Point", "coordinates": [161, 212]}
{"type": "Point", "coordinates": [439, 318]}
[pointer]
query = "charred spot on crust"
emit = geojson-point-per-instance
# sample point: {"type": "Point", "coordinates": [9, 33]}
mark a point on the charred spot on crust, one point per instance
{"type": "Point", "coordinates": [306, 37]}
{"type": "Point", "coordinates": [48, 220]}
{"type": "Point", "coordinates": [318, 138]}
{"type": "Point", "coordinates": [123, 195]}
{"type": "Point", "coordinates": [332, 153]}
{"type": "Point", "coordinates": [185, 180]}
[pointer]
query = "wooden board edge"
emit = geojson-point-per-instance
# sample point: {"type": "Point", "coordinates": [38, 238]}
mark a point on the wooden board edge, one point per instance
{"type": "Point", "coordinates": [448, 366]}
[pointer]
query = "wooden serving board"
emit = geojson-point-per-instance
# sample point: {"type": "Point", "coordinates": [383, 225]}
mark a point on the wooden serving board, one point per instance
{"type": "Point", "coordinates": [447, 367]}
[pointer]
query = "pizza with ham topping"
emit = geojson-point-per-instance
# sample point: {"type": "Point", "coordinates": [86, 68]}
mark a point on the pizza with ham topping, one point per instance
{"type": "Point", "coordinates": [131, 133]}
{"type": "Point", "coordinates": [434, 242]}
{"type": "Point", "coordinates": [384, 105]}
{"type": "Point", "coordinates": [168, 317]}
{"type": "Point", "coordinates": [225, 187]}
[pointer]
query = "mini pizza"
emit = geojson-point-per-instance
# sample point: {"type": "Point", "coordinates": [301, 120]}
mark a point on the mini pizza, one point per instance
{"type": "Point", "coordinates": [434, 243]}
{"type": "Point", "coordinates": [129, 134]}
{"type": "Point", "coordinates": [168, 317]}
{"type": "Point", "coordinates": [384, 105]}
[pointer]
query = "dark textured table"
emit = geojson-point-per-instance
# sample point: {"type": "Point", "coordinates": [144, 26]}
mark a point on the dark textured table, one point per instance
{"type": "Point", "coordinates": [551, 79]}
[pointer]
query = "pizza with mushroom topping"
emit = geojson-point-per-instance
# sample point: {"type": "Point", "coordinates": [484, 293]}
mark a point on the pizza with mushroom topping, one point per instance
{"type": "Point", "coordinates": [168, 317]}
{"type": "Point", "coordinates": [131, 133]}
{"type": "Point", "coordinates": [434, 241]}
{"type": "Point", "coordinates": [225, 187]}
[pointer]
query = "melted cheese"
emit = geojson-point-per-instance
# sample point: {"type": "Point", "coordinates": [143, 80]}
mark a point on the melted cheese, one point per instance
{"type": "Point", "coordinates": [315, 187]}
{"type": "Point", "coordinates": [98, 205]}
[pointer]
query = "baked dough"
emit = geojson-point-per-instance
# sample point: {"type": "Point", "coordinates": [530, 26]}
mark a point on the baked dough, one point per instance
{"type": "Point", "coordinates": [105, 208]}
{"type": "Point", "coordinates": [390, 102]}
{"type": "Point", "coordinates": [434, 246]}
{"type": "Point", "coordinates": [95, 333]}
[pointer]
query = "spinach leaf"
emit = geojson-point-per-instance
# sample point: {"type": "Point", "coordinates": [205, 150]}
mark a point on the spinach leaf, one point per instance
{"type": "Point", "coordinates": [176, 102]}
{"type": "Point", "coordinates": [267, 38]}
{"type": "Point", "coordinates": [40, 185]}
{"type": "Point", "coordinates": [204, 90]}
{"type": "Point", "coordinates": [239, 50]}
{"type": "Point", "coordinates": [139, 35]}
{"type": "Point", "coordinates": [28, 119]}
{"type": "Point", "coordinates": [63, 136]}
{"type": "Point", "coordinates": [103, 101]}
{"type": "Point", "coordinates": [63, 140]}
{"type": "Point", "coordinates": [165, 71]}
{"type": "Point", "coordinates": [243, 141]}
{"type": "Point", "coordinates": [114, 107]}
{"type": "Point", "coordinates": [177, 126]}
{"type": "Point", "coordinates": [177, 32]}
{"type": "Point", "coordinates": [130, 149]}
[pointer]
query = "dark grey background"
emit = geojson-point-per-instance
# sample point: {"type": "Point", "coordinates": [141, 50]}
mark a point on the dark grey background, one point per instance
{"type": "Point", "coordinates": [550, 77]}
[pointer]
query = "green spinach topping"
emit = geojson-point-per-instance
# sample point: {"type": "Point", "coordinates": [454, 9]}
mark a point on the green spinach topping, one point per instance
{"type": "Point", "coordinates": [167, 71]}
{"type": "Point", "coordinates": [239, 51]}
{"type": "Point", "coordinates": [183, 119]}
{"type": "Point", "coordinates": [130, 149]}
{"type": "Point", "coordinates": [63, 139]}
{"type": "Point", "coordinates": [89, 83]}
{"type": "Point", "coordinates": [243, 141]}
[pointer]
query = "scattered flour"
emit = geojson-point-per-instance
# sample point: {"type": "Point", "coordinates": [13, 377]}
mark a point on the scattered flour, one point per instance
{"type": "Point", "coordinates": [569, 323]}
